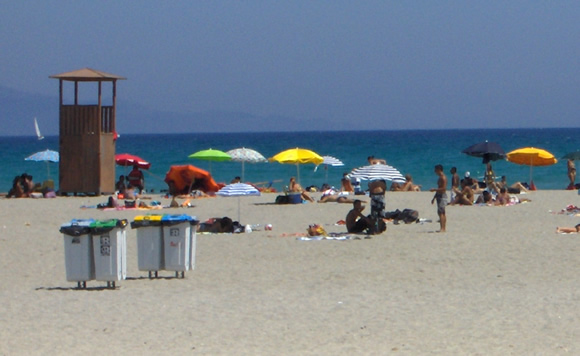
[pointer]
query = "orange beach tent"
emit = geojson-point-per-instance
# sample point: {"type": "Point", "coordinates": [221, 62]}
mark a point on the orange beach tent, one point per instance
{"type": "Point", "coordinates": [183, 179]}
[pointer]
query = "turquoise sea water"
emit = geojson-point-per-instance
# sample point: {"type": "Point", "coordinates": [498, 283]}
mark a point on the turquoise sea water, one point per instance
{"type": "Point", "coordinates": [413, 152]}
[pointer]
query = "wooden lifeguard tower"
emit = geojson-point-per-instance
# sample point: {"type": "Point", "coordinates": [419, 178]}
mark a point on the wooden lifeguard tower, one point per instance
{"type": "Point", "coordinates": [87, 137]}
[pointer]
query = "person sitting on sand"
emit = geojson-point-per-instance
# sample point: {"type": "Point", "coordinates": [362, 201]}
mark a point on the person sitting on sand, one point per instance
{"type": "Point", "coordinates": [485, 198]}
{"type": "Point", "coordinates": [503, 197]}
{"type": "Point", "coordinates": [120, 186]}
{"type": "Point", "coordinates": [295, 187]}
{"type": "Point", "coordinates": [465, 196]}
{"type": "Point", "coordinates": [373, 160]}
{"type": "Point", "coordinates": [345, 184]}
{"type": "Point", "coordinates": [16, 191]}
{"type": "Point", "coordinates": [27, 184]}
{"type": "Point", "coordinates": [568, 230]}
{"type": "Point", "coordinates": [409, 186]}
{"type": "Point", "coordinates": [356, 222]}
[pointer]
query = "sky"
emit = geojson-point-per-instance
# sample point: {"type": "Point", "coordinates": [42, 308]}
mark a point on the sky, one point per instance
{"type": "Point", "coordinates": [348, 64]}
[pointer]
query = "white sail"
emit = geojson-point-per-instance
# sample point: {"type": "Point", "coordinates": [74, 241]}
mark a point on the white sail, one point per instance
{"type": "Point", "coordinates": [40, 137]}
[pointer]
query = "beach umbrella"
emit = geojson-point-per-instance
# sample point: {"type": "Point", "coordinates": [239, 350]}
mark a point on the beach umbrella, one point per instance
{"type": "Point", "coordinates": [182, 179]}
{"type": "Point", "coordinates": [330, 161]}
{"type": "Point", "coordinates": [238, 190]}
{"type": "Point", "coordinates": [575, 156]}
{"type": "Point", "coordinates": [297, 156]}
{"type": "Point", "coordinates": [127, 159]}
{"type": "Point", "coordinates": [44, 156]}
{"type": "Point", "coordinates": [531, 156]}
{"type": "Point", "coordinates": [489, 151]}
{"type": "Point", "coordinates": [377, 171]}
{"type": "Point", "coordinates": [211, 155]}
{"type": "Point", "coordinates": [246, 155]}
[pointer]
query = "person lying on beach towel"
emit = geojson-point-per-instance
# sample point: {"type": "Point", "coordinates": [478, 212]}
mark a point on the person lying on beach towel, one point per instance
{"type": "Point", "coordinates": [568, 230]}
{"type": "Point", "coordinates": [332, 196]}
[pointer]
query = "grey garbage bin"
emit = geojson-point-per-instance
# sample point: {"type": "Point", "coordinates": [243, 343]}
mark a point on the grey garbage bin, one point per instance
{"type": "Point", "coordinates": [110, 250]}
{"type": "Point", "coordinates": [150, 255]}
{"type": "Point", "coordinates": [177, 239]}
{"type": "Point", "coordinates": [78, 251]}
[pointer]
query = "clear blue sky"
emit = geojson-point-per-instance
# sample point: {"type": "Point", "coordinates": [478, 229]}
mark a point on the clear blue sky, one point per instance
{"type": "Point", "coordinates": [384, 64]}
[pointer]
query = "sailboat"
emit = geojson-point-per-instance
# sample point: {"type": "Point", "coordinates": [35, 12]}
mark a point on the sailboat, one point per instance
{"type": "Point", "coordinates": [38, 134]}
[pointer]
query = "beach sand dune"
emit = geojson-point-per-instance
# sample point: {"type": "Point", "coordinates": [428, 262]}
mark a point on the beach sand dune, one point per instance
{"type": "Point", "coordinates": [500, 281]}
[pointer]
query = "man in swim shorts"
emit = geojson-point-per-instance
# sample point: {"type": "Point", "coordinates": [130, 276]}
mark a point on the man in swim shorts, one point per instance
{"type": "Point", "coordinates": [440, 196]}
{"type": "Point", "coordinates": [356, 222]}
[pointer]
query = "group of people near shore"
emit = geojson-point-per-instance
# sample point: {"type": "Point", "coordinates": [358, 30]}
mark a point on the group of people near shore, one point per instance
{"type": "Point", "coordinates": [130, 186]}
{"type": "Point", "coordinates": [23, 186]}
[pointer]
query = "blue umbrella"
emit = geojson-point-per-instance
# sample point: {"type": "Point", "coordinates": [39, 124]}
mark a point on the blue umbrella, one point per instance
{"type": "Point", "coordinates": [238, 190]}
{"type": "Point", "coordinates": [46, 156]}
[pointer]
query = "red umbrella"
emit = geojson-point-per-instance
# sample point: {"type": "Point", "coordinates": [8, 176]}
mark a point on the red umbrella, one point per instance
{"type": "Point", "coordinates": [126, 159]}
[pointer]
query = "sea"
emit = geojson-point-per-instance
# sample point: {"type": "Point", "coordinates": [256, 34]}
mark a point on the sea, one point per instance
{"type": "Point", "coordinates": [413, 152]}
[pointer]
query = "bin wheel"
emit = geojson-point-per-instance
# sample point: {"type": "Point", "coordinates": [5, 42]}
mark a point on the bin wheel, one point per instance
{"type": "Point", "coordinates": [82, 285]}
{"type": "Point", "coordinates": [156, 274]}
{"type": "Point", "coordinates": [150, 274]}
{"type": "Point", "coordinates": [111, 284]}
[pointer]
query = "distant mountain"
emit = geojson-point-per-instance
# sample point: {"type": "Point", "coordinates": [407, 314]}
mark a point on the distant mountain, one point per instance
{"type": "Point", "coordinates": [17, 110]}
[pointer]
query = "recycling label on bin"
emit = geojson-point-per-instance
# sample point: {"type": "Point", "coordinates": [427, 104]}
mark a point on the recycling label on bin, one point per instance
{"type": "Point", "coordinates": [105, 245]}
{"type": "Point", "coordinates": [174, 232]}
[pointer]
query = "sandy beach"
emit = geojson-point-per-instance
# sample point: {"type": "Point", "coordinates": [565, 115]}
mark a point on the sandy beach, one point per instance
{"type": "Point", "coordinates": [500, 281]}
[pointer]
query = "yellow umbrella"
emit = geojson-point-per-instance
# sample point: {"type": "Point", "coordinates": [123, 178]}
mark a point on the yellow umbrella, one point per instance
{"type": "Point", "coordinates": [531, 156]}
{"type": "Point", "coordinates": [297, 156]}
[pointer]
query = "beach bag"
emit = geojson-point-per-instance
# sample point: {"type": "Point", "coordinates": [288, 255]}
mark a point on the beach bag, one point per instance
{"type": "Point", "coordinates": [409, 216]}
{"type": "Point", "coordinates": [379, 226]}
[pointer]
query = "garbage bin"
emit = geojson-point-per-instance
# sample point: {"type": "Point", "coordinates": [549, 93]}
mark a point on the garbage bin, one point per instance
{"type": "Point", "coordinates": [177, 243]}
{"type": "Point", "coordinates": [149, 243]}
{"type": "Point", "coordinates": [110, 249]}
{"type": "Point", "coordinates": [78, 251]}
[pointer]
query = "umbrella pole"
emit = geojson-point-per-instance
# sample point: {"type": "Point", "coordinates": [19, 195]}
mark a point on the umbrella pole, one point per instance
{"type": "Point", "coordinates": [242, 173]}
{"type": "Point", "coordinates": [326, 169]}
{"type": "Point", "coordinates": [298, 173]}
{"type": "Point", "coordinates": [239, 209]}
{"type": "Point", "coordinates": [47, 170]}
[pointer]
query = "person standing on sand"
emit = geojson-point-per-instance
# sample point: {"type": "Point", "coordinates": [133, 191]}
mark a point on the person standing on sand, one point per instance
{"type": "Point", "coordinates": [440, 196]}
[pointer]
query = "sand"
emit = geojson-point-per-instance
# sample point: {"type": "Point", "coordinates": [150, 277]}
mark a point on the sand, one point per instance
{"type": "Point", "coordinates": [500, 281]}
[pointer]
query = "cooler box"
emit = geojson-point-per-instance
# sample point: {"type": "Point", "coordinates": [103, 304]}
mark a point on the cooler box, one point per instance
{"type": "Point", "coordinates": [78, 251]}
{"type": "Point", "coordinates": [110, 248]}
{"type": "Point", "coordinates": [149, 242]}
{"type": "Point", "coordinates": [177, 242]}
{"type": "Point", "coordinates": [294, 198]}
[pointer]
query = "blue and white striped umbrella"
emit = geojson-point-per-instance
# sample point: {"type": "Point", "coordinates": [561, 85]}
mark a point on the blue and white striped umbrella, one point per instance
{"type": "Point", "coordinates": [238, 190]}
{"type": "Point", "coordinates": [332, 161]}
{"type": "Point", "coordinates": [377, 171]}
{"type": "Point", "coordinates": [44, 156]}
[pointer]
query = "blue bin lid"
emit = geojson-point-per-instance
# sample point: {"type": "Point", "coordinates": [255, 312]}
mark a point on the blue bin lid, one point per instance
{"type": "Point", "coordinates": [169, 219]}
{"type": "Point", "coordinates": [79, 222]}
{"type": "Point", "coordinates": [176, 217]}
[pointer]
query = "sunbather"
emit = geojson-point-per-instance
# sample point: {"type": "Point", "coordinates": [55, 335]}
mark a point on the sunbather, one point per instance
{"type": "Point", "coordinates": [295, 187]}
{"type": "Point", "coordinates": [568, 230]}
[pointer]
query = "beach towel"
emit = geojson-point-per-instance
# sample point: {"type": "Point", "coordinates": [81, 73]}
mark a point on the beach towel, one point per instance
{"type": "Point", "coordinates": [335, 237]}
